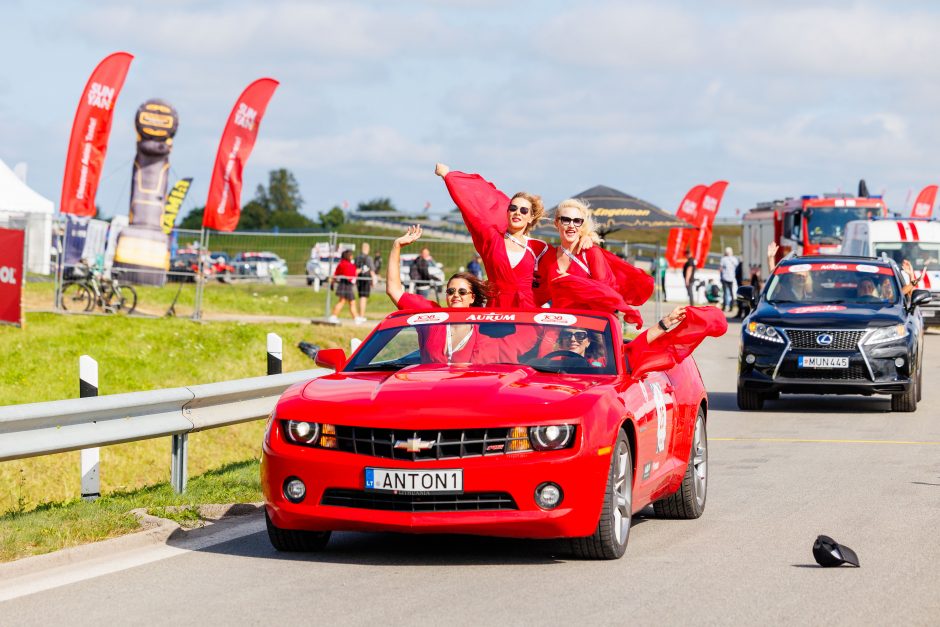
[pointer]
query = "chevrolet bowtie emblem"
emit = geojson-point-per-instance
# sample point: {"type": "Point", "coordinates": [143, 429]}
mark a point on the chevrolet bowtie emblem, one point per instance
{"type": "Point", "coordinates": [413, 445]}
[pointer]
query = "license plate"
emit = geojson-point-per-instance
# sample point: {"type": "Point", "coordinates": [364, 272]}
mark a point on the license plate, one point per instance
{"type": "Point", "coordinates": [818, 361]}
{"type": "Point", "coordinates": [415, 481]}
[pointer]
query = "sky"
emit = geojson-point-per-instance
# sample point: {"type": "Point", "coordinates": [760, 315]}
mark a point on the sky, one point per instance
{"type": "Point", "coordinates": [778, 98]}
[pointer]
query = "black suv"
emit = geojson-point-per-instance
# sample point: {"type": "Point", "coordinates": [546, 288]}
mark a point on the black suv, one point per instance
{"type": "Point", "coordinates": [832, 325]}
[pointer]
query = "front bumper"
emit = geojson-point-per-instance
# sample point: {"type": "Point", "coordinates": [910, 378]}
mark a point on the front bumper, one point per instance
{"type": "Point", "coordinates": [872, 369]}
{"type": "Point", "coordinates": [582, 475]}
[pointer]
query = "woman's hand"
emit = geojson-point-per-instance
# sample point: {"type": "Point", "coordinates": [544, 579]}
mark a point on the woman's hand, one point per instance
{"type": "Point", "coordinates": [772, 249]}
{"type": "Point", "coordinates": [585, 242]}
{"type": "Point", "coordinates": [674, 317]}
{"type": "Point", "coordinates": [410, 236]}
{"type": "Point", "coordinates": [441, 170]}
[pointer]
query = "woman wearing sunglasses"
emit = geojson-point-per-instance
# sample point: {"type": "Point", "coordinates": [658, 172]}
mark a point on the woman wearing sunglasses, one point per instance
{"type": "Point", "coordinates": [500, 228]}
{"type": "Point", "coordinates": [588, 279]}
{"type": "Point", "coordinates": [588, 344]}
{"type": "Point", "coordinates": [453, 343]}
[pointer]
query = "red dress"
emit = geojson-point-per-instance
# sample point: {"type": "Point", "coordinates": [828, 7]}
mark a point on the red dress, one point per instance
{"type": "Point", "coordinates": [432, 339]}
{"type": "Point", "coordinates": [671, 348]}
{"type": "Point", "coordinates": [483, 208]}
{"type": "Point", "coordinates": [597, 280]}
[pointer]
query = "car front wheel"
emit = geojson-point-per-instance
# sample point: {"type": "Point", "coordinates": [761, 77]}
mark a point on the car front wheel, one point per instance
{"type": "Point", "coordinates": [689, 500]}
{"type": "Point", "coordinates": [908, 400]}
{"type": "Point", "coordinates": [749, 400]}
{"type": "Point", "coordinates": [290, 540]}
{"type": "Point", "coordinates": [613, 529]}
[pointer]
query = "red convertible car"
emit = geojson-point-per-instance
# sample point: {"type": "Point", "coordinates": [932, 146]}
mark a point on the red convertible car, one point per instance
{"type": "Point", "coordinates": [531, 427]}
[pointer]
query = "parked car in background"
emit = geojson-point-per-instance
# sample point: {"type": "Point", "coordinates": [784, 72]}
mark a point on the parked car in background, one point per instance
{"type": "Point", "coordinates": [185, 265]}
{"type": "Point", "coordinates": [259, 265]}
{"type": "Point", "coordinates": [436, 269]}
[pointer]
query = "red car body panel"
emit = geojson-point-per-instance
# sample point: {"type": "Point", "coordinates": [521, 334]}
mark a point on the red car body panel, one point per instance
{"type": "Point", "coordinates": [658, 413]}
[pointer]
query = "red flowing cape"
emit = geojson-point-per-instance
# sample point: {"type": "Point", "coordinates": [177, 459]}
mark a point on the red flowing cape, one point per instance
{"type": "Point", "coordinates": [671, 348]}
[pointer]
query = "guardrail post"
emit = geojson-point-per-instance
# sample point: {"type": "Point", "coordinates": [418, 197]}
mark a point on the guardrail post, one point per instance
{"type": "Point", "coordinates": [275, 353]}
{"type": "Point", "coordinates": [179, 456]}
{"type": "Point", "coordinates": [91, 458]}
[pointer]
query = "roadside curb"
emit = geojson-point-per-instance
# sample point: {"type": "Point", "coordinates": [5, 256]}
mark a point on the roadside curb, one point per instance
{"type": "Point", "coordinates": [154, 531]}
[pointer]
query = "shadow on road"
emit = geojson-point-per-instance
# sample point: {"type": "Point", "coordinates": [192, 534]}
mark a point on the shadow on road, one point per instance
{"type": "Point", "coordinates": [395, 549]}
{"type": "Point", "coordinates": [797, 403]}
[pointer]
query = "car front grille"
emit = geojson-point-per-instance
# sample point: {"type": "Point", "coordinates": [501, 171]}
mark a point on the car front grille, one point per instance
{"type": "Point", "coordinates": [443, 444]}
{"type": "Point", "coordinates": [855, 372]}
{"type": "Point", "coordinates": [841, 340]}
{"type": "Point", "coordinates": [469, 502]}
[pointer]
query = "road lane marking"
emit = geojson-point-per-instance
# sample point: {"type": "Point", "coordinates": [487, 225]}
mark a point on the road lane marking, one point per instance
{"type": "Point", "coordinates": [804, 440]}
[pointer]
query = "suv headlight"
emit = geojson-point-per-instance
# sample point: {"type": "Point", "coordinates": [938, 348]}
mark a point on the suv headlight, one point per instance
{"type": "Point", "coordinates": [887, 334]}
{"type": "Point", "coordinates": [764, 332]}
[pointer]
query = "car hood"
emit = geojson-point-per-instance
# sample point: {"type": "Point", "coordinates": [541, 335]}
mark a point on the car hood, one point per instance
{"type": "Point", "coordinates": [845, 316]}
{"type": "Point", "coordinates": [495, 395]}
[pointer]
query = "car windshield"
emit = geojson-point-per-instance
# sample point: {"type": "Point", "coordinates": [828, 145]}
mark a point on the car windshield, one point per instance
{"type": "Point", "coordinates": [544, 341]}
{"type": "Point", "coordinates": [833, 284]}
{"type": "Point", "coordinates": [920, 254]}
{"type": "Point", "coordinates": [826, 225]}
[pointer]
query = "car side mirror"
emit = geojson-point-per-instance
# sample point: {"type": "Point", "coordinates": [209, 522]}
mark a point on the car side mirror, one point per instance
{"type": "Point", "coordinates": [746, 293]}
{"type": "Point", "coordinates": [920, 297]}
{"type": "Point", "coordinates": [332, 358]}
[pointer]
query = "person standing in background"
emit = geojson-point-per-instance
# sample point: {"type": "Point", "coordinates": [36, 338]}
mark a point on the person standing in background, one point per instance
{"type": "Point", "coordinates": [727, 270]}
{"type": "Point", "coordinates": [688, 273]}
{"type": "Point", "coordinates": [739, 280]}
{"type": "Point", "coordinates": [475, 268]}
{"type": "Point", "coordinates": [420, 273]}
{"type": "Point", "coordinates": [365, 265]}
{"type": "Point", "coordinates": [344, 277]}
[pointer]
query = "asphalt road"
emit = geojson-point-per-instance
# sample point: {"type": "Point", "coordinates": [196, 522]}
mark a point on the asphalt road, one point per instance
{"type": "Point", "coordinates": [843, 466]}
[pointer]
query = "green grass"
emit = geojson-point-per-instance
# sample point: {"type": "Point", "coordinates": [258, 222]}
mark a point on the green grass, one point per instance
{"type": "Point", "coordinates": [59, 525]}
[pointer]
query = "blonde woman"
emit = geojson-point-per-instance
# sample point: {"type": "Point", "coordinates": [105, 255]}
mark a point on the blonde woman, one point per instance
{"type": "Point", "coordinates": [593, 278]}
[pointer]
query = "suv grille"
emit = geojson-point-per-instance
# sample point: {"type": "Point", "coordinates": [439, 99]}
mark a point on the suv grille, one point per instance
{"type": "Point", "coordinates": [841, 340]}
{"type": "Point", "coordinates": [445, 444]}
{"type": "Point", "coordinates": [471, 501]}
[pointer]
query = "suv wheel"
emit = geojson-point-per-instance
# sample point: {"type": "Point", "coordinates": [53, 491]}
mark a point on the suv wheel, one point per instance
{"type": "Point", "coordinates": [749, 400]}
{"type": "Point", "coordinates": [906, 401]}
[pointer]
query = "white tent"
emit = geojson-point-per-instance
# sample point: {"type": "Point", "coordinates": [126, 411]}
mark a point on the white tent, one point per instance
{"type": "Point", "coordinates": [21, 207]}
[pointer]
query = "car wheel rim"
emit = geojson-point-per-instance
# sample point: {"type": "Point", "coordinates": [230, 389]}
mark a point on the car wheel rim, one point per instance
{"type": "Point", "coordinates": [623, 495]}
{"type": "Point", "coordinates": [700, 461]}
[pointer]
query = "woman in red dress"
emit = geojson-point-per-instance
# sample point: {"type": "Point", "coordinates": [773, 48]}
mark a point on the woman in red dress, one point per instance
{"type": "Point", "coordinates": [500, 227]}
{"type": "Point", "coordinates": [592, 278]}
{"type": "Point", "coordinates": [345, 277]}
{"type": "Point", "coordinates": [439, 344]}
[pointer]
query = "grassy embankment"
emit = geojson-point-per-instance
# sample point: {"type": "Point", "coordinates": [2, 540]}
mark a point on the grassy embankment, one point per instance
{"type": "Point", "coordinates": [41, 363]}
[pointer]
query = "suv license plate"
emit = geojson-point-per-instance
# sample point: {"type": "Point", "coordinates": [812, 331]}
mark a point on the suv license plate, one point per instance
{"type": "Point", "coordinates": [818, 361]}
{"type": "Point", "coordinates": [414, 481]}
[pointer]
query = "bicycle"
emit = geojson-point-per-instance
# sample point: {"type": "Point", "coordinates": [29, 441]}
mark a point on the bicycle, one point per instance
{"type": "Point", "coordinates": [93, 290]}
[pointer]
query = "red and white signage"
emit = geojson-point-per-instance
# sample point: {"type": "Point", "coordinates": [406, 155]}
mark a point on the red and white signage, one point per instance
{"type": "Point", "coordinates": [11, 276]}
{"type": "Point", "coordinates": [823, 267]}
{"type": "Point", "coordinates": [923, 206]}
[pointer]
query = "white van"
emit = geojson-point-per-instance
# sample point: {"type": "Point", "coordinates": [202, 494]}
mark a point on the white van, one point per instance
{"type": "Point", "coordinates": [918, 241]}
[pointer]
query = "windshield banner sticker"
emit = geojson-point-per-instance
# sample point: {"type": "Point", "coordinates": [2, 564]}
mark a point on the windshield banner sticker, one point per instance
{"type": "Point", "coordinates": [430, 317]}
{"type": "Point", "coordinates": [828, 267]}
{"type": "Point", "coordinates": [816, 309]}
{"type": "Point", "coordinates": [559, 319]}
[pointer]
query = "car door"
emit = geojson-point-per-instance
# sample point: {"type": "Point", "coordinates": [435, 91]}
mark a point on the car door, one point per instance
{"type": "Point", "coordinates": [655, 431]}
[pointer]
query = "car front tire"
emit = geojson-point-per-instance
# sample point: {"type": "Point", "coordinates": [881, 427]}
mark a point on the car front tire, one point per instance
{"type": "Point", "coordinates": [292, 541]}
{"type": "Point", "coordinates": [688, 501]}
{"type": "Point", "coordinates": [908, 400]}
{"type": "Point", "coordinates": [613, 529]}
{"type": "Point", "coordinates": [749, 400]}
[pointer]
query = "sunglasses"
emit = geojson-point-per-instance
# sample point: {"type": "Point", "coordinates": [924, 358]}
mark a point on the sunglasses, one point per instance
{"type": "Point", "coordinates": [454, 290]}
{"type": "Point", "coordinates": [565, 221]}
{"type": "Point", "coordinates": [522, 210]}
{"type": "Point", "coordinates": [578, 336]}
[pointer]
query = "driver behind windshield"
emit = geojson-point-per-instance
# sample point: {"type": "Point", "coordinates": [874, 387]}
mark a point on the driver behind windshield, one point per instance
{"type": "Point", "coordinates": [794, 286]}
{"type": "Point", "coordinates": [587, 344]}
{"type": "Point", "coordinates": [866, 289]}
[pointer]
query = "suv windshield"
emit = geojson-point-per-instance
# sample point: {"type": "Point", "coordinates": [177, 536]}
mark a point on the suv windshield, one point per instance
{"type": "Point", "coordinates": [583, 346]}
{"type": "Point", "coordinates": [826, 225]}
{"type": "Point", "coordinates": [920, 254]}
{"type": "Point", "coordinates": [833, 283]}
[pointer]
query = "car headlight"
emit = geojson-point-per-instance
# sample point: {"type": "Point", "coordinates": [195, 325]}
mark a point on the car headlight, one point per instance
{"type": "Point", "coordinates": [887, 334]}
{"type": "Point", "coordinates": [302, 432]}
{"type": "Point", "coordinates": [764, 332]}
{"type": "Point", "coordinates": [551, 437]}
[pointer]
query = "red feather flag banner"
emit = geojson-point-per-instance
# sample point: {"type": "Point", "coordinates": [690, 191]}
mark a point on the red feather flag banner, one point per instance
{"type": "Point", "coordinates": [705, 219]}
{"type": "Point", "coordinates": [680, 238]}
{"type": "Point", "coordinates": [223, 207]}
{"type": "Point", "coordinates": [671, 348]}
{"type": "Point", "coordinates": [91, 128]}
{"type": "Point", "coordinates": [923, 206]}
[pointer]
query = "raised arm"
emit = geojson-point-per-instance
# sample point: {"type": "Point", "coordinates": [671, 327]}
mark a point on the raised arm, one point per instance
{"type": "Point", "coordinates": [772, 249]}
{"type": "Point", "coordinates": [481, 204]}
{"type": "Point", "coordinates": [393, 286]}
{"type": "Point", "coordinates": [669, 321]}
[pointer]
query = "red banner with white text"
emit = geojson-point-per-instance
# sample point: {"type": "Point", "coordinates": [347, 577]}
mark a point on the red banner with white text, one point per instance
{"type": "Point", "coordinates": [923, 206]}
{"type": "Point", "coordinates": [680, 238]}
{"type": "Point", "coordinates": [223, 207]}
{"type": "Point", "coordinates": [90, 131]}
{"type": "Point", "coordinates": [705, 219]}
{"type": "Point", "coordinates": [12, 242]}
